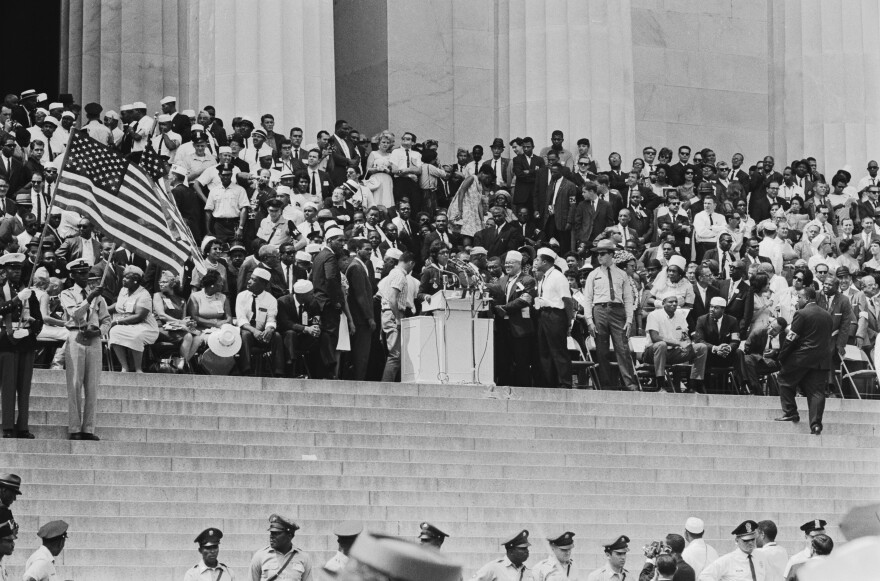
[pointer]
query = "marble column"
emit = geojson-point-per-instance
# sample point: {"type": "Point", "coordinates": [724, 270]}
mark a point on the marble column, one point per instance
{"type": "Point", "coordinates": [825, 95]}
{"type": "Point", "coordinates": [243, 57]}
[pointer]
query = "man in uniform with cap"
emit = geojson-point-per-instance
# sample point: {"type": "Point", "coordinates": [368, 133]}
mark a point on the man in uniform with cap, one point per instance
{"type": "Point", "coordinates": [281, 561]}
{"type": "Point", "coordinates": [95, 128]}
{"type": "Point", "coordinates": [40, 565]}
{"type": "Point", "coordinates": [226, 209]}
{"type": "Point", "coordinates": [742, 564]}
{"type": "Point", "coordinates": [613, 570]}
{"type": "Point", "coordinates": [86, 319]}
{"type": "Point", "coordinates": [381, 557]}
{"type": "Point", "coordinates": [22, 322]}
{"type": "Point", "coordinates": [140, 129]}
{"type": "Point", "coordinates": [512, 567]}
{"type": "Point", "coordinates": [346, 534]}
{"type": "Point", "coordinates": [180, 123]}
{"type": "Point", "coordinates": [256, 311]}
{"type": "Point", "coordinates": [209, 568]}
{"type": "Point", "coordinates": [556, 567]}
{"type": "Point", "coordinates": [552, 321]}
{"type": "Point", "coordinates": [10, 490]}
{"type": "Point", "coordinates": [698, 553]}
{"type": "Point", "coordinates": [8, 535]}
{"type": "Point", "coordinates": [810, 529]}
{"type": "Point", "coordinates": [431, 535]}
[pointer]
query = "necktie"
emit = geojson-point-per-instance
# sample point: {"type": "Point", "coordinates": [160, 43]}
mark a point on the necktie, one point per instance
{"type": "Point", "coordinates": [296, 153]}
{"type": "Point", "coordinates": [253, 322]}
{"type": "Point", "coordinates": [610, 282]}
{"type": "Point", "coordinates": [752, 568]}
{"type": "Point", "coordinates": [407, 158]}
{"type": "Point", "coordinates": [83, 292]}
{"type": "Point", "coordinates": [711, 221]}
{"type": "Point", "coordinates": [161, 139]}
{"type": "Point", "coordinates": [300, 312]}
{"type": "Point", "coordinates": [724, 265]}
{"type": "Point", "coordinates": [314, 189]}
{"type": "Point", "coordinates": [289, 278]}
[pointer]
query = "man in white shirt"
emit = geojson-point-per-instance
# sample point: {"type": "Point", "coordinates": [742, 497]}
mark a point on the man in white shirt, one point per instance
{"type": "Point", "coordinates": [406, 167]}
{"type": "Point", "coordinates": [165, 141]}
{"type": "Point", "coordinates": [810, 530]}
{"type": "Point", "coordinates": [789, 187]}
{"type": "Point", "coordinates": [141, 126]}
{"type": "Point", "coordinates": [771, 247]}
{"type": "Point", "coordinates": [742, 564]}
{"type": "Point", "coordinates": [708, 226]}
{"type": "Point", "coordinates": [668, 342]}
{"type": "Point", "coordinates": [40, 565]}
{"type": "Point", "coordinates": [872, 179]}
{"type": "Point", "coordinates": [775, 555]}
{"type": "Point", "coordinates": [552, 321]}
{"type": "Point", "coordinates": [698, 553]}
{"type": "Point", "coordinates": [226, 209]}
{"type": "Point", "coordinates": [256, 311]}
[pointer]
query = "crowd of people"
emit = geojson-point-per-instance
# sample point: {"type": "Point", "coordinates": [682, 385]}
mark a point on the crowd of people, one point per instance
{"type": "Point", "coordinates": [677, 557]}
{"type": "Point", "coordinates": [317, 251]}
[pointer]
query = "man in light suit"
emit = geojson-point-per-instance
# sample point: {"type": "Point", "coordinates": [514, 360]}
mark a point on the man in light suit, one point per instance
{"type": "Point", "coordinates": [590, 217]}
{"type": "Point", "coordinates": [83, 246]}
{"type": "Point", "coordinates": [514, 322]}
{"type": "Point", "coordinates": [525, 168]}
{"type": "Point", "coordinates": [501, 165]}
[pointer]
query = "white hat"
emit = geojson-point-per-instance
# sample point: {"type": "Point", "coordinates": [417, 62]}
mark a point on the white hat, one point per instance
{"type": "Point", "coordinates": [561, 264]}
{"type": "Point", "coordinates": [333, 233]}
{"type": "Point", "coordinates": [133, 269]}
{"type": "Point", "coordinates": [178, 169]}
{"type": "Point", "coordinates": [207, 240]}
{"type": "Point", "coordinates": [553, 242]}
{"type": "Point", "coordinates": [302, 255]}
{"type": "Point", "coordinates": [41, 110]}
{"type": "Point", "coordinates": [196, 126]}
{"type": "Point", "coordinates": [165, 118]}
{"type": "Point", "coordinates": [477, 250]}
{"type": "Point", "coordinates": [514, 255]}
{"type": "Point", "coordinates": [285, 174]}
{"type": "Point", "coordinates": [68, 114]}
{"type": "Point", "coordinates": [311, 205]}
{"type": "Point", "coordinates": [56, 105]}
{"type": "Point", "coordinates": [718, 302]}
{"type": "Point", "coordinates": [393, 253]}
{"type": "Point", "coordinates": [328, 224]}
{"type": "Point", "coordinates": [770, 226]}
{"type": "Point", "coordinates": [56, 211]}
{"type": "Point", "coordinates": [50, 119]}
{"type": "Point", "coordinates": [225, 341]}
{"type": "Point", "coordinates": [42, 97]}
{"type": "Point", "coordinates": [126, 107]}
{"type": "Point", "coordinates": [166, 100]}
{"type": "Point", "coordinates": [262, 273]}
{"type": "Point", "coordinates": [111, 114]}
{"type": "Point", "coordinates": [313, 248]}
{"type": "Point", "coordinates": [285, 190]}
{"type": "Point", "coordinates": [12, 258]}
{"type": "Point", "coordinates": [224, 149]}
{"type": "Point", "coordinates": [679, 261]}
{"type": "Point", "coordinates": [188, 113]}
{"type": "Point", "coordinates": [694, 525]}
{"type": "Point", "coordinates": [138, 105]}
{"type": "Point", "coordinates": [548, 253]}
{"type": "Point", "coordinates": [302, 287]}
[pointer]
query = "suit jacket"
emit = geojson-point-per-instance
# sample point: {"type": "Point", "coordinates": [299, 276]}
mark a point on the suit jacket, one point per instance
{"type": "Point", "coordinates": [562, 206]}
{"type": "Point", "coordinates": [71, 249]}
{"type": "Point", "coordinates": [288, 316]}
{"type": "Point", "coordinates": [181, 125]}
{"type": "Point", "coordinates": [360, 293]}
{"type": "Point", "coordinates": [811, 348]}
{"type": "Point", "coordinates": [675, 175]}
{"type": "Point", "coordinates": [16, 174]}
{"type": "Point", "coordinates": [430, 238]}
{"type": "Point", "coordinates": [503, 170]}
{"type": "Point", "coordinates": [587, 222]}
{"type": "Point", "coordinates": [700, 308]}
{"type": "Point", "coordinates": [707, 331]}
{"type": "Point", "coordinates": [756, 342]}
{"type": "Point", "coordinates": [325, 186]}
{"type": "Point", "coordinates": [216, 129]}
{"type": "Point", "coordinates": [13, 308]}
{"type": "Point", "coordinates": [327, 280]}
{"type": "Point", "coordinates": [736, 303]}
{"type": "Point", "coordinates": [761, 208]}
{"type": "Point", "coordinates": [121, 257]}
{"type": "Point", "coordinates": [525, 183]}
{"type": "Point", "coordinates": [340, 161]}
{"type": "Point", "coordinates": [741, 177]}
{"type": "Point", "coordinates": [616, 180]}
{"type": "Point", "coordinates": [712, 254]}
{"type": "Point", "coordinates": [497, 244]}
{"type": "Point", "coordinates": [642, 225]}
{"type": "Point", "coordinates": [514, 305]}
{"type": "Point", "coordinates": [385, 245]}
{"type": "Point", "coordinates": [841, 311]}
{"type": "Point", "coordinates": [529, 233]}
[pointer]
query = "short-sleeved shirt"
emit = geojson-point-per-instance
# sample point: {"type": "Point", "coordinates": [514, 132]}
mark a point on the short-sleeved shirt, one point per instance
{"type": "Point", "coordinates": [40, 566]}
{"type": "Point", "coordinates": [396, 280]}
{"type": "Point", "coordinates": [674, 328]}
{"type": "Point", "coordinates": [202, 572]}
{"type": "Point", "coordinates": [550, 569]}
{"type": "Point", "coordinates": [227, 202]}
{"type": "Point", "coordinates": [503, 570]}
{"type": "Point", "coordinates": [267, 561]}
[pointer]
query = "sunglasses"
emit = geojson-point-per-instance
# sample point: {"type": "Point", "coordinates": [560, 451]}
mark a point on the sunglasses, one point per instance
{"type": "Point", "coordinates": [800, 278]}
{"type": "Point", "coordinates": [821, 272]}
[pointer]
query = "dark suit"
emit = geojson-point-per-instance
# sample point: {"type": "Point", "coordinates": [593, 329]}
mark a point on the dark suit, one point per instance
{"type": "Point", "coordinates": [641, 224]}
{"type": "Point", "coordinates": [729, 260]}
{"type": "Point", "coordinates": [71, 249]}
{"type": "Point", "coordinates": [805, 361]}
{"type": "Point", "coordinates": [323, 188]}
{"type": "Point", "coordinates": [514, 331]}
{"type": "Point", "coordinates": [16, 174]}
{"type": "Point", "coordinates": [758, 358]}
{"type": "Point", "coordinates": [290, 326]}
{"type": "Point", "coordinates": [707, 332]}
{"type": "Point", "coordinates": [741, 177]}
{"type": "Point", "coordinates": [497, 244]}
{"type": "Point", "coordinates": [360, 304]}
{"type": "Point", "coordinates": [761, 207]}
{"type": "Point", "coordinates": [340, 161]}
{"type": "Point", "coordinates": [503, 165]}
{"type": "Point", "coordinates": [556, 226]}
{"type": "Point", "coordinates": [525, 182]}
{"type": "Point", "coordinates": [736, 303]}
{"type": "Point", "coordinates": [587, 222]}
{"type": "Point", "coordinates": [181, 125]}
{"type": "Point", "coordinates": [700, 308]}
{"type": "Point", "coordinates": [675, 175]}
{"type": "Point", "coordinates": [616, 180]}
{"type": "Point", "coordinates": [430, 238]}
{"type": "Point", "coordinates": [327, 280]}
{"type": "Point", "coordinates": [216, 129]}
{"type": "Point", "coordinates": [17, 362]}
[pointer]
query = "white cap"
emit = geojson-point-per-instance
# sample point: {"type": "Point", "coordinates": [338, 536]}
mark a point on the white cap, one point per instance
{"type": "Point", "coordinates": [111, 114]}
{"type": "Point", "coordinates": [247, 119]}
{"type": "Point", "coordinates": [333, 233]}
{"type": "Point", "coordinates": [770, 226]}
{"type": "Point", "coordinates": [718, 302]}
{"type": "Point", "coordinates": [311, 205]}
{"type": "Point", "coordinates": [41, 110]}
{"type": "Point", "coordinates": [126, 107]}
{"type": "Point", "coordinates": [477, 250]}
{"type": "Point", "coordinates": [548, 253]}
{"type": "Point", "coordinates": [56, 105]}
{"type": "Point", "coordinates": [68, 114]}
{"type": "Point", "coordinates": [694, 525]}
{"type": "Point", "coordinates": [196, 126]}
{"type": "Point", "coordinates": [224, 149]}
{"type": "Point", "coordinates": [166, 100]}
{"type": "Point", "coordinates": [561, 264]}
{"type": "Point", "coordinates": [285, 190]}
{"type": "Point", "coordinates": [42, 97]}
{"type": "Point", "coordinates": [394, 253]}
{"type": "Point", "coordinates": [50, 119]}
{"type": "Point", "coordinates": [678, 261]}
{"type": "Point", "coordinates": [303, 256]}
{"type": "Point", "coordinates": [178, 169]}
{"type": "Point", "coordinates": [313, 248]}
{"type": "Point", "coordinates": [303, 286]}
{"type": "Point", "coordinates": [188, 113]}
{"type": "Point", "coordinates": [165, 118]}
{"type": "Point", "coordinates": [514, 255]}
{"type": "Point", "coordinates": [138, 105]}
{"type": "Point", "coordinates": [262, 273]}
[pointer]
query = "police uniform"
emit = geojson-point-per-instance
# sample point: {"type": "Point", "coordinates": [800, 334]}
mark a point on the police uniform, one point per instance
{"type": "Point", "coordinates": [346, 534]}
{"type": "Point", "coordinates": [431, 535]}
{"type": "Point", "coordinates": [551, 569]}
{"type": "Point", "coordinates": [201, 571]}
{"type": "Point", "coordinates": [606, 572]}
{"type": "Point", "coordinates": [503, 569]}
{"type": "Point", "coordinates": [814, 526]}
{"type": "Point", "coordinates": [40, 565]}
{"type": "Point", "coordinates": [295, 565]}
{"type": "Point", "coordinates": [738, 565]}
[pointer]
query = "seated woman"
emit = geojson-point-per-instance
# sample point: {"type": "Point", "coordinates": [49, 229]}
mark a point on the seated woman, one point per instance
{"type": "Point", "coordinates": [170, 310]}
{"type": "Point", "coordinates": [134, 325]}
{"type": "Point", "coordinates": [47, 290]}
{"type": "Point", "coordinates": [208, 307]}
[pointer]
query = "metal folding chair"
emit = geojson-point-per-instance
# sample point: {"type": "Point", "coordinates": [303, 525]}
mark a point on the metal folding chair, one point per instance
{"type": "Point", "coordinates": [852, 356]}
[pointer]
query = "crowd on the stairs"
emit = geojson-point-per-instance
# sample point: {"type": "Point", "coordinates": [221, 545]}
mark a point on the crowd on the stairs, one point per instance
{"type": "Point", "coordinates": [316, 252]}
{"type": "Point", "coordinates": [363, 555]}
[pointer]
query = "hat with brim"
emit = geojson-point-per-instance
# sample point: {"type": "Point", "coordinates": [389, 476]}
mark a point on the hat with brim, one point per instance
{"type": "Point", "coordinates": [225, 341]}
{"type": "Point", "coordinates": [11, 260]}
{"type": "Point", "coordinates": [605, 246]}
{"type": "Point", "coordinates": [403, 560]}
{"type": "Point", "coordinates": [11, 482]}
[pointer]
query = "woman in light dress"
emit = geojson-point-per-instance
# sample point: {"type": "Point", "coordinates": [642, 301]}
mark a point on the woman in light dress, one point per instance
{"type": "Point", "coordinates": [134, 325]}
{"type": "Point", "coordinates": [379, 171]}
{"type": "Point", "coordinates": [468, 204]}
{"type": "Point", "coordinates": [170, 310]}
{"type": "Point", "coordinates": [209, 308]}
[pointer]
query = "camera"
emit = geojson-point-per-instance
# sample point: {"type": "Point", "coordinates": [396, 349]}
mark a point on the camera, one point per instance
{"type": "Point", "coordinates": [655, 549]}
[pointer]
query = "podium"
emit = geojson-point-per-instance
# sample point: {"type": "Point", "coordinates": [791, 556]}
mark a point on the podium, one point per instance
{"type": "Point", "coordinates": [451, 344]}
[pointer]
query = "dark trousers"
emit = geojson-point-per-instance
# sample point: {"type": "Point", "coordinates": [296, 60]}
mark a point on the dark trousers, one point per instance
{"type": "Point", "coordinates": [753, 366]}
{"type": "Point", "coordinates": [224, 228]}
{"type": "Point", "coordinates": [329, 339]}
{"type": "Point", "coordinates": [16, 373]}
{"type": "Point", "coordinates": [812, 382]}
{"type": "Point", "coordinates": [513, 356]}
{"type": "Point", "coordinates": [360, 351]}
{"type": "Point", "coordinates": [295, 344]}
{"type": "Point", "coordinates": [553, 348]}
{"type": "Point", "coordinates": [700, 249]}
{"type": "Point", "coordinates": [562, 236]}
{"type": "Point", "coordinates": [609, 319]}
{"type": "Point", "coordinates": [250, 346]}
{"type": "Point", "coordinates": [404, 187]}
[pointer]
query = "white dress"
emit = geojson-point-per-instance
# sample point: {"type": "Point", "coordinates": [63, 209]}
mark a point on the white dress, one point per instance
{"type": "Point", "coordinates": [134, 336]}
{"type": "Point", "coordinates": [380, 182]}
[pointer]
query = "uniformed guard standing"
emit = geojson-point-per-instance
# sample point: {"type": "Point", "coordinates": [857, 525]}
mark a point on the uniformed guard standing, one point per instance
{"type": "Point", "coordinates": [40, 566]}
{"type": "Point", "coordinates": [614, 570]}
{"type": "Point", "coordinates": [346, 534]}
{"type": "Point", "coordinates": [209, 568]}
{"type": "Point", "coordinates": [86, 319]}
{"type": "Point", "coordinates": [431, 535]}
{"type": "Point", "coordinates": [742, 564]}
{"type": "Point", "coordinates": [8, 534]}
{"type": "Point", "coordinates": [558, 566]}
{"type": "Point", "coordinates": [810, 529]}
{"type": "Point", "coordinates": [281, 561]}
{"type": "Point", "coordinates": [511, 567]}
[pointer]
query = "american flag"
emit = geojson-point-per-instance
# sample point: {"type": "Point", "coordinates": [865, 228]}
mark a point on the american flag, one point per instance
{"type": "Point", "coordinates": [122, 201]}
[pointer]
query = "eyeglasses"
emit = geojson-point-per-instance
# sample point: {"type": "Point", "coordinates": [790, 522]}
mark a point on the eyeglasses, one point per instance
{"type": "Point", "coordinates": [800, 278]}
{"type": "Point", "coordinates": [688, 173]}
{"type": "Point", "coordinates": [821, 271]}
{"type": "Point", "coordinates": [723, 169]}
{"type": "Point", "coordinates": [583, 163]}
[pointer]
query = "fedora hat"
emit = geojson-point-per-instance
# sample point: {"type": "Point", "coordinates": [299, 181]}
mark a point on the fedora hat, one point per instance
{"type": "Point", "coordinates": [225, 341]}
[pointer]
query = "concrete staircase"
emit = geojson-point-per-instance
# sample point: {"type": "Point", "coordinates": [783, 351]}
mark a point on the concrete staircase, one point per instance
{"type": "Point", "coordinates": [183, 453]}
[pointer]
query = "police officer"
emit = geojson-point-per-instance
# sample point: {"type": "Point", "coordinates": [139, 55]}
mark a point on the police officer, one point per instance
{"type": "Point", "coordinates": [511, 567]}
{"type": "Point", "coordinates": [741, 564]}
{"type": "Point", "coordinates": [557, 567]}
{"type": "Point", "coordinates": [8, 534]}
{"type": "Point", "coordinates": [380, 557]}
{"type": "Point", "coordinates": [86, 319]}
{"type": "Point", "coordinates": [281, 561]}
{"type": "Point", "coordinates": [615, 552]}
{"type": "Point", "coordinates": [40, 565]}
{"type": "Point", "coordinates": [10, 489]}
{"type": "Point", "coordinates": [810, 529]}
{"type": "Point", "coordinates": [346, 534]}
{"type": "Point", "coordinates": [431, 535]}
{"type": "Point", "coordinates": [209, 569]}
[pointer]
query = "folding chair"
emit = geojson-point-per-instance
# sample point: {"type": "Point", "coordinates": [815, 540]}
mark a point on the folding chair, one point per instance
{"type": "Point", "coordinates": [852, 357]}
{"type": "Point", "coordinates": [584, 366]}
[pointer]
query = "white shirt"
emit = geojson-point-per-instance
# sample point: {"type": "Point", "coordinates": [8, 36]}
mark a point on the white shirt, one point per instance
{"type": "Point", "coordinates": [552, 288]}
{"type": "Point", "coordinates": [398, 158]}
{"type": "Point", "coordinates": [274, 233]}
{"type": "Point", "coordinates": [673, 328]}
{"type": "Point", "coordinates": [708, 227]}
{"type": "Point", "coordinates": [772, 248]}
{"type": "Point", "coordinates": [776, 558]}
{"type": "Point", "coordinates": [40, 566]}
{"type": "Point", "coordinates": [788, 192]}
{"type": "Point", "coordinates": [868, 181]}
{"type": "Point", "coordinates": [227, 202]}
{"type": "Point", "coordinates": [267, 310]}
{"type": "Point", "coordinates": [142, 128]}
{"type": "Point", "coordinates": [210, 178]}
{"type": "Point", "coordinates": [797, 558]}
{"type": "Point", "coordinates": [162, 149]}
{"type": "Point", "coordinates": [698, 554]}
{"type": "Point", "coordinates": [202, 572]}
{"type": "Point", "coordinates": [734, 566]}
